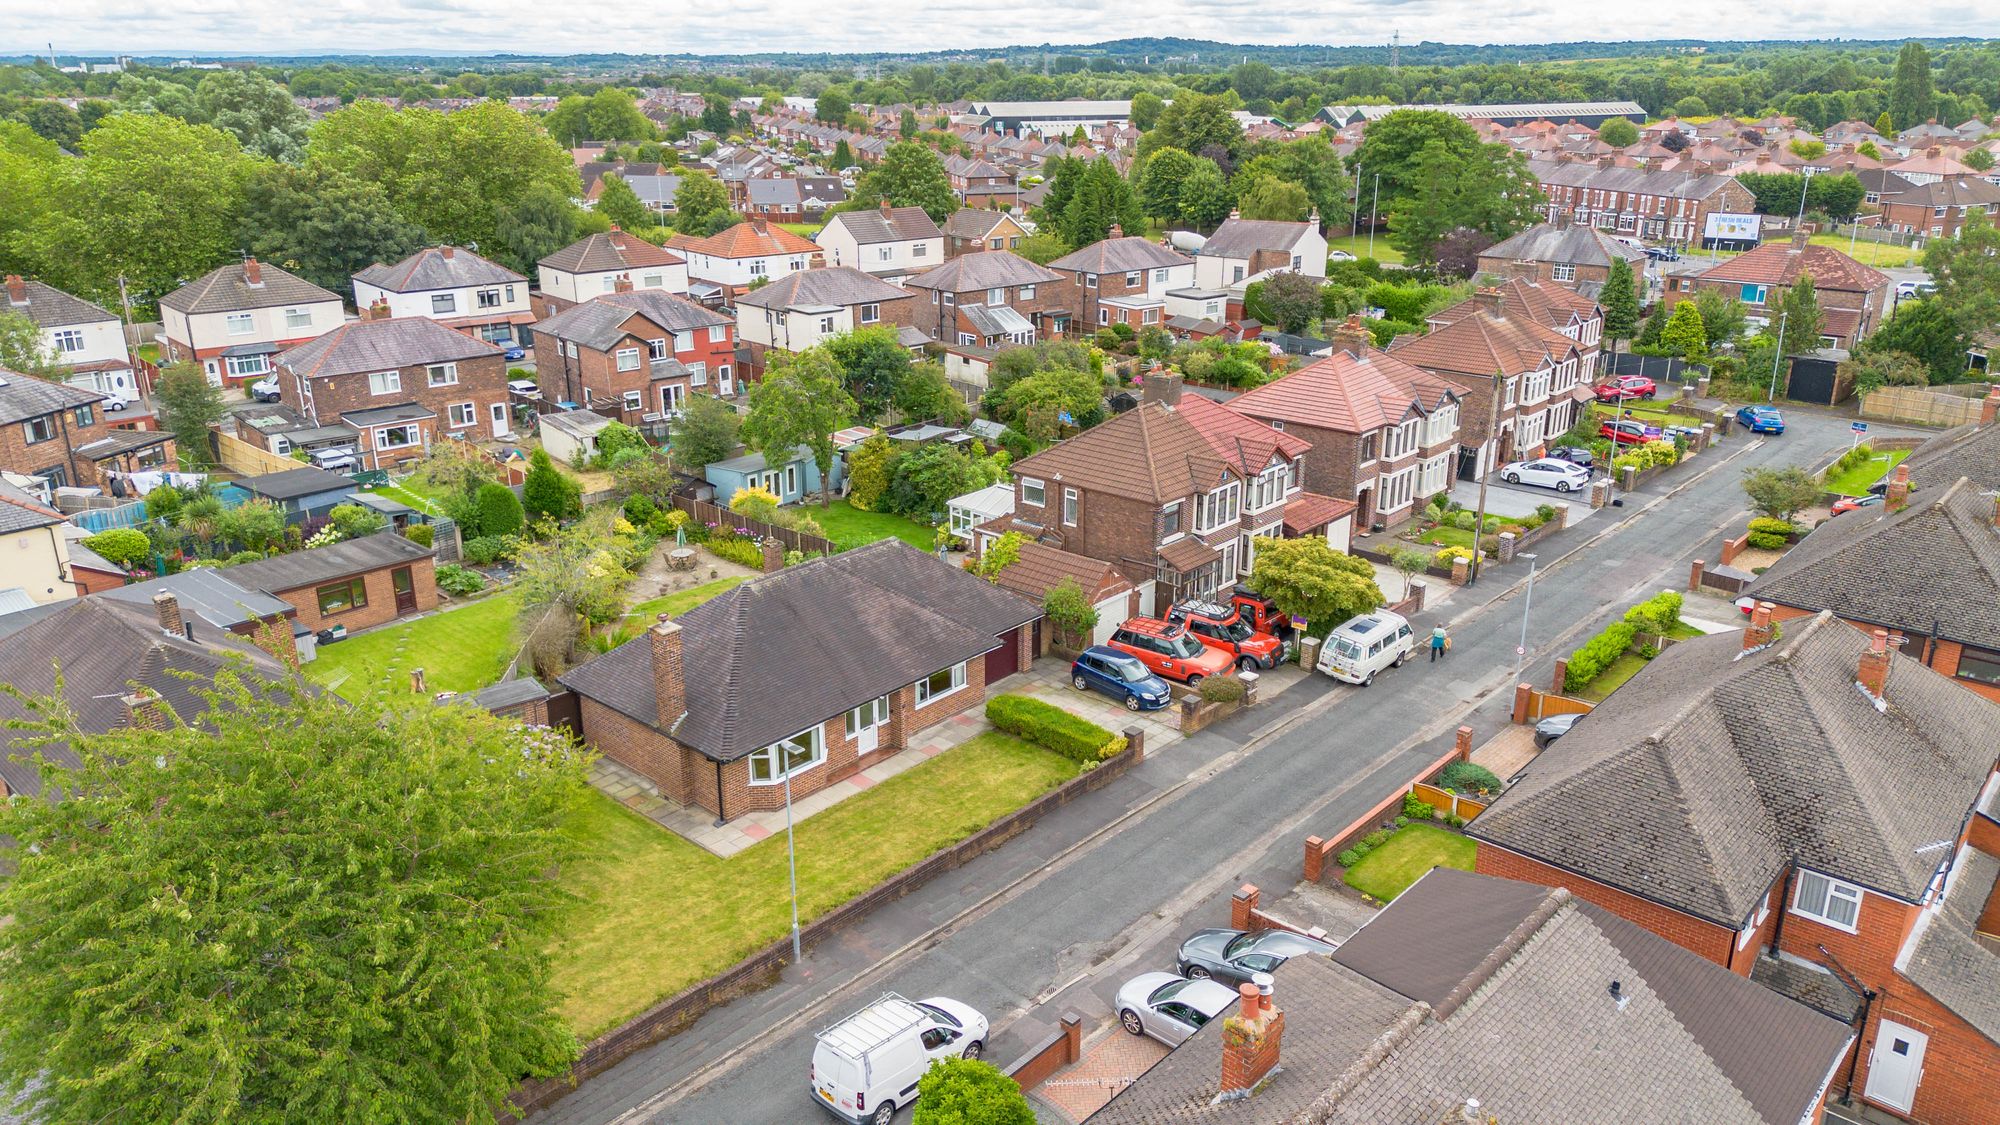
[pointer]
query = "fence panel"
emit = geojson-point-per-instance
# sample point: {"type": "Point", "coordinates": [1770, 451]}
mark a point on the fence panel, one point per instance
{"type": "Point", "coordinates": [1660, 368]}
{"type": "Point", "coordinates": [1956, 404]}
{"type": "Point", "coordinates": [709, 513]}
{"type": "Point", "coordinates": [95, 520]}
{"type": "Point", "coordinates": [246, 460]}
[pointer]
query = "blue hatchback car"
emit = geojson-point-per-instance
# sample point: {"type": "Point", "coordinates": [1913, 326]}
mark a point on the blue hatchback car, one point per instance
{"type": "Point", "coordinates": [1761, 420]}
{"type": "Point", "coordinates": [1123, 677]}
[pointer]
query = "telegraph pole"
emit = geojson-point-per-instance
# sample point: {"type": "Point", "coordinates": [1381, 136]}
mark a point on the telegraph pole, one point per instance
{"type": "Point", "coordinates": [1492, 435]}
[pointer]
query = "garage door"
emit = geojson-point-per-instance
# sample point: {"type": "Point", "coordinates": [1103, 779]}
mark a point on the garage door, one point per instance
{"type": "Point", "coordinates": [1005, 660]}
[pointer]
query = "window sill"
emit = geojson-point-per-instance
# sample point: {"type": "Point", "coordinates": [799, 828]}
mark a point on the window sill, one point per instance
{"type": "Point", "coordinates": [1827, 922]}
{"type": "Point", "coordinates": [930, 699]}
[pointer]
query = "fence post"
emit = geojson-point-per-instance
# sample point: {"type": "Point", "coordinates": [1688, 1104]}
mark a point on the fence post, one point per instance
{"type": "Point", "coordinates": [1562, 675]}
{"type": "Point", "coordinates": [1523, 696]}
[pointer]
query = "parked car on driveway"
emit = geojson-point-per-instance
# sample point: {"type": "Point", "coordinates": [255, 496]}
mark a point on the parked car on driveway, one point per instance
{"type": "Point", "coordinates": [1235, 956]}
{"type": "Point", "coordinates": [1908, 289]}
{"type": "Point", "coordinates": [1339, 256]}
{"type": "Point", "coordinates": [1170, 1008]}
{"type": "Point", "coordinates": [1122, 677]}
{"type": "Point", "coordinates": [1856, 503]}
{"type": "Point", "coordinates": [1226, 628]}
{"type": "Point", "coordinates": [1170, 650]}
{"type": "Point", "coordinates": [1574, 454]}
{"type": "Point", "coordinates": [1761, 419]}
{"type": "Point", "coordinates": [265, 389]}
{"type": "Point", "coordinates": [1563, 476]}
{"type": "Point", "coordinates": [1621, 387]}
{"type": "Point", "coordinates": [514, 353]}
{"type": "Point", "coordinates": [1552, 728]}
{"type": "Point", "coordinates": [1629, 433]}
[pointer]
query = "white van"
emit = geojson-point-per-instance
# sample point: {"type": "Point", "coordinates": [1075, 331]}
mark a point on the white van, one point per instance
{"type": "Point", "coordinates": [867, 1065]}
{"type": "Point", "coordinates": [1365, 645]}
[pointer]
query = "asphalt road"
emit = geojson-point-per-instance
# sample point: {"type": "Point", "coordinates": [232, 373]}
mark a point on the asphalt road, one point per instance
{"type": "Point", "coordinates": [1071, 905]}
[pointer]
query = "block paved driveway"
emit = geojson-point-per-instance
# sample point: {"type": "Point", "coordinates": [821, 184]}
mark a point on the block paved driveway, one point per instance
{"type": "Point", "coordinates": [1010, 931]}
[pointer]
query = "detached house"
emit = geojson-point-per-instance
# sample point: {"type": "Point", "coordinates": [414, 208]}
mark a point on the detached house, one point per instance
{"type": "Point", "coordinates": [809, 674]}
{"type": "Point", "coordinates": [745, 254]}
{"type": "Point", "coordinates": [812, 307]}
{"type": "Point", "coordinates": [1853, 298]}
{"type": "Point", "coordinates": [1807, 807]}
{"type": "Point", "coordinates": [57, 434]}
{"type": "Point", "coordinates": [634, 355]}
{"type": "Point", "coordinates": [455, 287]}
{"type": "Point", "coordinates": [234, 319]}
{"type": "Point", "coordinates": [1242, 248]}
{"type": "Point", "coordinates": [85, 339]}
{"type": "Point", "coordinates": [991, 298]}
{"type": "Point", "coordinates": [399, 383]}
{"type": "Point", "coordinates": [595, 264]}
{"type": "Point", "coordinates": [975, 229]}
{"type": "Point", "coordinates": [889, 242]}
{"type": "Point", "coordinates": [1121, 280]}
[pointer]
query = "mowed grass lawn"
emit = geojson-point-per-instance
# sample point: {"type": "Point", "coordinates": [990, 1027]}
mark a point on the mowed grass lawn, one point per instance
{"type": "Point", "coordinates": [850, 527]}
{"type": "Point", "coordinates": [1613, 677]}
{"type": "Point", "coordinates": [460, 649]}
{"type": "Point", "coordinates": [1357, 245]}
{"type": "Point", "coordinates": [660, 913]}
{"type": "Point", "coordinates": [1855, 481]}
{"type": "Point", "coordinates": [1404, 857]}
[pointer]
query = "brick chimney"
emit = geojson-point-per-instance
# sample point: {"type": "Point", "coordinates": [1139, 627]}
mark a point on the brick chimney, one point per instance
{"type": "Point", "coordinates": [1799, 239]}
{"type": "Point", "coordinates": [1490, 300]}
{"type": "Point", "coordinates": [622, 283]}
{"type": "Point", "coordinates": [447, 251]}
{"type": "Point", "coordinates": [669, 686]}
{"type": "Point", "coordinates": [1759, 632]}
{"type": "Point", "coordinates": [885, 205]}
{"type": "Point", "coordinates": [1116, 231]}
{"type": "Point", "coordinates": [1873, 674]}
{"type": "Point", "coordinates": [1353, 337]}
{"type": "Point", "coordinates": [760, 226]}
{"type": "Point", "coordinates": [145, 710]}
{"type": "Point", "coordinates": [17, 290]}
{"type": "Point", "coordinates": [1606, 161]}
{"type": "Point", "coordinates": [1899, 490]}
{"type": "Point", "coordinates": [774, 554]}
{"type": "Point", "coordinates": [617, 237]}
{"type": "Point", "coordinates": [379, 309]}
{"type": "Point", "coordinates": [1250, 1041]}
{"type": "Point", "coordinates": [1990, 409]}
{"type": "Point", "coordinates": [253, 273]}
{"type": "Point", "coordinates": [1161, 385]}
{"type": "Point", "coordinates": [167, 608]}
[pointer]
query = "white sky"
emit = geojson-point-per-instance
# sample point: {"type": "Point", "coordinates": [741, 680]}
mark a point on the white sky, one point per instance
{"type": "Point", "coordinates": [553, 26]}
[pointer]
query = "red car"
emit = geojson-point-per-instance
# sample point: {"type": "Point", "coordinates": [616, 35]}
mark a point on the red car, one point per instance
{"type": "Point", "coordinates": [1628, 433]}
{"type": "Point", "coordinates": [1226, 628]}
{"type": "Point", "coordinates": [1621, 387]}
{"type": "Point", "coordinates": [1171, 651]}
{"type": "Point", "coordinates": [1855, 503]}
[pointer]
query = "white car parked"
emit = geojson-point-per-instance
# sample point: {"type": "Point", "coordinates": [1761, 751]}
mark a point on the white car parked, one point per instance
{"type": "Point", "coordinates": [1563, 476]}
{"type": "Point", "coordinates": [1170, 1007]}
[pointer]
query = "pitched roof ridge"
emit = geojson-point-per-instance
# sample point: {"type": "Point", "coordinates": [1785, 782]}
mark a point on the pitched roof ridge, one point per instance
{"type": "Point", "coordinates": [1509, 948]}
{"type": "Point", "coordinates": [1386, 1046]}
{"type": "Point", "coordinates": [31, 506]}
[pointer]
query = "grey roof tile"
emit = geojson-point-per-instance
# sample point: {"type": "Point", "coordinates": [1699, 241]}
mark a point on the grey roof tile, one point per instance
{"type": "Point", "coordinates": [1953, 959]}
{"type": "Point", "coordinates": [227, 289]}
{"type": "Point", "coordinates": [833, 285]}
{"type": "Point", "coordinates": [985, 269]}
{"type": "Point", "coordinates": [599, 322]}
{"type": "Point", "coordinates": [24, 396]}
{"type": "Point", "coordinates": [438, 267]}
{"type": "Point", "coordinates": [50, 307]}
{"type": "Point", "coordinates": [324, 564]}
{"type": "Point", "coordinates": [1121, 255]}
{"type": "Point", "coordinates": [361, 346]}
{"type": "Point", "coordinates": [898, 224]}
{"type": "Point", "coordinates": [1240, 238]}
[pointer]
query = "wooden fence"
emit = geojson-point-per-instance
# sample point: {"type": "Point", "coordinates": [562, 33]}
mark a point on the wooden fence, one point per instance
{"type": "Point", "coordinates": [1445, 800]}
{"type": "Point", "coordinates": [708, 513]}
{"type": "Point", "coordinates": [1955, 404]}
{"type": "Point", "coordinates": [1531, 706]}
{"type": "Point", "coordinates": [246, 460]}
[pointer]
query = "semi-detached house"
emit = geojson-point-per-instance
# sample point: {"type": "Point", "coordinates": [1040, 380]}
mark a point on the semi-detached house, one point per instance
{"type": "Point", "coordinates": [1854, 299]}
{"type": "Point", "coordinates": [634, 355]}
{"type": "Point", "coordinates": [1647, 203]}
{"type": "Point", "coordinates": [88, 341]}
{"type": "Point", "coordinates": [455, 287]}
{"type": "Point", "coordinates": [57, 433]}
{"type": "Point", "coordinates": [813, 307]}
{"type": "Point", "coordinates": [1120, 280]}
{"type": "Point", "coordinates": [1242, 248]}
{"type": "Point", "coordinates": [991, 298]}
{"type": "Point", "coordinates": [744, 255]}
{"type": "Point", "coordinates": [889, 242]}
{"type": "Point", "coordinates": [595, 264]}
{"type": "Point", "coordinates": [233, 320]}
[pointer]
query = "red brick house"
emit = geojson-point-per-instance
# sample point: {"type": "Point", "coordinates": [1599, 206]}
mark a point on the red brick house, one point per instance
{"type": "Point", "coordinates": [401, 383]}
{"type": "Point", "coordinates": [1808, 808]}
{"type": "Point", "coordinates": [991, 298]}
{"type": "Point", "coordinates": [634, 355]}
{"type": "Point", "coordinates": [1652, 203]}
{"type": "Point", "coordinates": [1120, 280]}
{"type": "Point", "coordinates": [976, 228]}
{"type": "Point", "coordinates": [357, 583]}
{"type": "Point", "coordinates": [811, 674]}
{"type": "Point", "coordinates": [57, 432]}
{"type": "Point", "coordinates": [1574, 257]}
{"type": "Point", "coordinates": [1853, 298]}
{"type": "Point", "coordinates": [1939, 208]}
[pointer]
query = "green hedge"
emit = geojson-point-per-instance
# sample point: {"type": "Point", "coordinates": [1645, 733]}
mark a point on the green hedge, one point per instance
{"type": "Point", "coordinates": [1597, 654]}
{"type": "Point", "coordinates": [1468, 777]}
{"type": "Point", "coordinates": [1052, 728]}
{"type": "Point", "coordinates": [1767, 534]}
{"type": "Point", "coordinates": [1657, 614]}
{"type": "Point", "coordinates": [735, 548]}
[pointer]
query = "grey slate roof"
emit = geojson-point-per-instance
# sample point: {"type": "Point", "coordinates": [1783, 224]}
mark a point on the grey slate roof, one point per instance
{"type": "Point", "coordinates": [784, 652]}
{"type": "Point", "coordinates": [206, 594]}
{"type": "Point", "coordinates": [225, 289]}
{"type": "Point", "coordinates": [1121, 255]}
{"type": "Point", "coordinates": [50, 307]}
{"type": "Point", "coordinates": [1684, 787]}
{"type": "Point", "coordinates": [1240, 238]}
{"type": "Point", "coordinates": [1861, 570]}
{"type": "Point", "coordinates": [1812, 986]}
{"type": "Point", "coordinates": [900, 224]}
{"type": "Point", "coordinates": [360, 346]}
{"type": "Point", "coordinates": [1643, 181]}
{"type": "Point", "coordinates": [432, 268]}
{"type": "Point", "coordinates": [1573, 245]}
{"type": "Point", "coordinates": [599, 322]}
{"type": "Point", "coordinates": [290, 484]}
{"type": "Point", "coordinates": [1972, 452]}
{"type": "Point", "coordinates": [833, 285]}
{"type": "Point", "coordinates": [20, 511]}
{"type": "Point", "coordinates": [1952, 960]}
{"type": "Point", "coordinates": [985, 269]}
{"type": "Point", "coordinates": [973, 222]}
{"type": "Point", "coordinates": [324, 564]}
{"type": "Point", "coordinates": [23, 397]}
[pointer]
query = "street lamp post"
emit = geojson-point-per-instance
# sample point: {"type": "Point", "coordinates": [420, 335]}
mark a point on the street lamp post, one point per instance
{"type": "Point", "coordinates": [1521, 650]}
{"type": "Point", "coordinates": [1373, 205]}
{"type": "Point", "coordinates": [792, 863]}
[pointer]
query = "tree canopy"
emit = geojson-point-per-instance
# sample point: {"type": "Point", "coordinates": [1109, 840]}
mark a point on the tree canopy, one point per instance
{"type": "Point", "coordinates": [800, 401]}
{"type": "Point", "coordinates": [321, 225]}
{"type": "Point", "coordinates": [1307, 578]}
{"type": "Point", "coordinates": [909, 175]}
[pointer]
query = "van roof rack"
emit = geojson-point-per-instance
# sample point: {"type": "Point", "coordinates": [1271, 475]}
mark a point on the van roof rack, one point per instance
{"type": "Point", "coordinates": [872, 1026]}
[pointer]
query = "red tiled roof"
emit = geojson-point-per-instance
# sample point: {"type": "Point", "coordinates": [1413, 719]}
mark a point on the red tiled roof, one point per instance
{"type": "Point", "coordinates": [1309, 511]}
{"type": "Point", "coordinates": [1783, 263]}
{"type": "Point", "coordinates": [744, 240]}
{"type": "Point", "coordinates": [1148, 453]}
{"type": "Point", "coordinates": [1241, 441]}
{"type": "Point", "coordinates": [1482, 344]}
{"type": "Point", "coordinates": [1347, 393]}
{"type": "Point", "coordinates": [1040, 568]}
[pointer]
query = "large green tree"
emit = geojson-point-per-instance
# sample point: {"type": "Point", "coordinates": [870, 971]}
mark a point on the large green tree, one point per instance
{"type": "Point", "coordinates": [1925, 330]}
{"type": "Point", "coordinates": [701, 203]}
{"type": "Point", "coordinates": [909, 175]}
{"type": "Point", "coordinates": [800, 401]}
{"type": "Point", "coordinates": [188, 403]}
{"type": "Point", "coordinates": [1394, 148]}
{"type": "Point", "coordinates": [872, 362]}
{"type": "Point", "coordinates": [1912, 99]}
{"type": "Point", "coordinates": [299, 909]}
{"type": "Point", "coordinates": [1801, 318]}
{"type": "Point", "coordinates": [705, 432]}
{"type": "Point", "coordinates": [539, 223]}
{"type": "Point", "coordinates": [1620, 302]}
{"type": "Point", "coordinates": [321, 225]}
{"type": "Point", "coordinates": [1270, 198]}
{"type": "Point", "coordinates": [1966, 269]}
{"type": "Point", "coordinates": [1160, 182]}
{"type": "Point", "coordinates": [1206, 198]}
{"type": "Point", "coordinates": [1195, 121]}
{"type": "Point", "coordinates": [258, 112]}
{"type": "Point", "coordinates": [1683, 335]}
{"type": "Point", "coordinates": [1487, 188]}
{"type": "Point", "coordinates": [22, 348]}
{"type": "Point", "coordinates": [1102, 199]}
{"type": "Point", "coordinates": [1313, 165]}
{"type": "Point", "coordinates": [1308, 578]}
{"type": "Point", "coordinates": [617, 202]}
{"type": "Point", "coordinates": [1723, 317]}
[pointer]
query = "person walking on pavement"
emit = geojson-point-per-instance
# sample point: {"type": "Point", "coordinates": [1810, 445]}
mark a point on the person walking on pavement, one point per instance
{"type": "Point", "coordinates": [1439, 643]}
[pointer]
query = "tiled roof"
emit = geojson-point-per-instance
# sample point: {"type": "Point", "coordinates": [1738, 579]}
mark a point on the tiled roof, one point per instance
{"type": "Point", "coordinates": [1782, 263]}
{"type": "Point", "coordinates": [50, 307]}
{"type": "Point", "coordinates": [973, 222]}
{"type": "Point", "coordinates": [784, 652]}
{"type": "Point", "coordinates": [205, 593]}
{"type": "Point", "coordinates": [1349, 393]}
{"type": "Point", "coordinates": [1244, 443]}
{"type": "Point", "coordinates": [1952, 956]}
{"type": "Point", "coordinates": [985, 269]}
{"type": "Point", "coordinates": [1040, 568]}
{"type": "Point", "coordinates": [1683, 786]}
{"type": "Point", "coordinates": [1121, 255]}
{"type": "Point", "coordinates": [20, 511]}
{"type": "Point", "coordinates": [1551, 306]}
{"type": "Point", "coordinates": [1668, 184]}
{"type": "Point", "coordinates": [227, 289]}
{"type": "Point", "coordinates": [23, 397]}
{"type": "Point", "coordinates": [1972, 452]}
{"type": "Point", "coordinates": [377, 345]}
{"type": "Point", "coordinates": [1149, 453]}
{"type": "Point", "coordinates": [600, 322]}
{"type": "Point", "coordinates": [1309, 511]}
{"type": "Point", "coordinates": [833, 285]}
{"type": "Point", "coordinates": [1573, 245]}
{"type": "Point", "coordinates": [1934, 162]}
{"type": "Point", "coordinates": [438, 267]}
{"type": "Point", "coordinates": [897, 225]}
{"type": "Point", "coordinates": [1240, 238]}
{"type": "Point", "coordinates": [744, 240]}
{"type": "Point", "coordinates": [607, 251]}
{"type": "Point", "coordinates": [1481, 344]}
{"type": "Point", "coordinates": [324, 564]}
{"type": "Point", "coordinates": [1860, 568]}
{"type": "Point", "coordinates": [1961, 191]}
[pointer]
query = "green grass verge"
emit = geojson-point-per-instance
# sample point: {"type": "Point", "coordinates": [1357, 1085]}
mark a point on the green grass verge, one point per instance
{"type": "Point", "coordinates": [1357, 245]}
{"type": "Point", "coordinates": [1613, 677]}
{"type": "Point", "coordinates": [1404, 857]}
{"type": "Point", "coordinates": [659, 913]}
{"type": "Point", "coordinates": [673, 605]}
{"type": "Point", "coordinates": [850, 527]}
{"type": "Point", "coordinates": [1855, 481]}
{"type": "Point", "coordinates": [462, 649]}
{"type": "Point", "coordinates": [803, 230]}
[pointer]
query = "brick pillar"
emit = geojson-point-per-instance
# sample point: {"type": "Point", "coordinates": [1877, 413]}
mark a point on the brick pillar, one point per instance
{"type": "Point", "coordinates": [774, 555]}
{"type": "Point", "coordinates": [669, 681]}
{"type": "Point", "coordinates": [1135, 741]}
{"type": "Point", "coordinates": [1562, 675]}
{"type": "Point", "coordinates": [1241, 904]}
{"type": "Point", "coordinates": [1507, 541]}
{"type": "Point", "coordinates": [1419, 591]}
{"type": "Point", "coordinates": [1072, 1029]}
{"type": "Point", "coordinates": [1024, 645]}
{"type": "Point", "coordinates": [1628, 478]}
{"type": "Point", "coordinates": [1463, 744]}
{"type": "Point", "coordinates": [1524, 696]}
{"type": "Point", "coordinates": [145, 710]}
{"type": "Point", "coordinates": [897, 737]}
{"type": "Point", "coordinates": [1562, 514]}
{"type": "Point", "coordinates": [1461, 569]}
{"type": "Point", "coordinates": [1315, 858]}
{"type": "Point", "coordinates": [1600, 493]}
{"type": "Point", "coordinates": [1695, 573]}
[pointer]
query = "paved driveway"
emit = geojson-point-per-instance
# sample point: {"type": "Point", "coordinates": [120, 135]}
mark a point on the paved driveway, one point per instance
{"type": "Point", "coordinates": [1516, 501]}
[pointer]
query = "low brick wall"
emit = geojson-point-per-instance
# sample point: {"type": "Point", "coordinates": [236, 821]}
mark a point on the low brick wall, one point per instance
{"type": "Point", "coordinates": [1060, 1048]}
{"type": "Point", "coordinates": [760, 969]}
{"type": "Point", "coordinates": [1245, 915]}
{"type": "Point", "coordinates": [1318, 849]}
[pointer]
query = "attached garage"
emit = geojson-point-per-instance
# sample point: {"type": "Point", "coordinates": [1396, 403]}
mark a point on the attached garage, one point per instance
{"type": "Point", "coordinates": [1006, 660]}
{"type": "Point", "coordinates": [1041, 568]}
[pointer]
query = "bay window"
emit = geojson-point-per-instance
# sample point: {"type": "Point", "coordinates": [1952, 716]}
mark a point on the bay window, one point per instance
{"type": "Point", "coordinates": [246, 365]}
{"type": "Point", "coordinates": [787, 756]}
{"type": "Point", "coordinates": [940, 683]}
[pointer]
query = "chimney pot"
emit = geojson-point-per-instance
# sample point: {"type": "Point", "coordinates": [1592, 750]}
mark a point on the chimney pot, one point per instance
{"type": "Point", "coordinates": [1990, 409]}
{"type": "Point", "coordinates": [1161, 386]}
{"type": "Point", "coordinates": [379, 310]}
{"type": "Point", "coordinates": [669, 684]}
{"type": "Point", "coordinates": [1353, 337]}
{"type": "Point", "coordinates": [1252, 999]}
{"type": "Point", "coordinates": [17, 289]}
{"type": "Point", "coordinates": [1899, 490]}
{"type": "Point", "coordinates": [167, 609]}
{"type": "Point", "coordinates": [1759, 631]}
{"type": "Point", "coordinates": [1116, 231]}
{"type": "Point", "coordinates": [447, 250]}
{"type": "Point", "coordinates": [622, 283]}
{"type": "Point", "coordinates": [1490, 299]}
{"type": "Point", "coordinates": [1873, 674]}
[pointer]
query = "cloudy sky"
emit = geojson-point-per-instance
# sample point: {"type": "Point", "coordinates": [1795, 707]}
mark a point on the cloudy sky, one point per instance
{"type": "Point", "coordinates": [541, 26]}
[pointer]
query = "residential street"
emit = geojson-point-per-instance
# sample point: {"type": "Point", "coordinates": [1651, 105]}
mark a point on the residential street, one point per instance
{"type": "Point", "coordinates": [1071, 900]}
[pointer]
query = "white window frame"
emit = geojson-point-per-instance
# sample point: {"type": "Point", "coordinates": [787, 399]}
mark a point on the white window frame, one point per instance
{"type": "Point", "coordinates": [997, 296]}
{"type": "Point", "coordinates": [868, 716]}
{"type": "Point", "coordinates": [718, 333]}
{"type": "Point", "coordinates": [383, 444]}
{"type": "Point", "coordinates": [1564, 272]}
{"type": "Point", "coordinates": [67, 341]}
{"type": "Point", "coordinates": [385, 383]}
{"type": "Point", "coordinates": [462, 414]}
{"type": "Point", "coordinates": [1756, 922]}
{"type": "Point", "coordinates": [440, 303]}
{"type": "Point", "coordinates": [298, 318]}
{"type": "Point", "coordinates": [1034, 491]}
{"type": "Point", "coordinates": [1219, 508]}
{"type": "Point", "coordinates": [955, 677]}
{"type": "Point", "coordinates": [656, 349]}
{"type": "Point", "coordinates": [242, 365]}
{"type": "Point", "coordinates": [239, 323]}
{"type": "Point", "coordinates": [871, 312]}
{"type": "Point", "coordinates": [1026, 293]}
{"type": "Point", "coordinates": [775, 771]}
{"type": "Point", "coordinates": [487, 298]}
{"type": "Point", "coordinates": [1071, 501]}
{"type": "Point", "coordinates": [1827, 890]}
{"type": "Point", "coordinates": [627, 359]}
{"type": "Point", "coordinates": [634, 401]}
{"type": "Point", "coordinates": [441, 375]}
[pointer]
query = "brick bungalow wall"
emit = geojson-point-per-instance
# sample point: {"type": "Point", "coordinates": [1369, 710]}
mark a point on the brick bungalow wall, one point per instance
{"type": "Point", "coordinates": [1685, 930]}
{"type": "Point", "coordinates": [381, 607]}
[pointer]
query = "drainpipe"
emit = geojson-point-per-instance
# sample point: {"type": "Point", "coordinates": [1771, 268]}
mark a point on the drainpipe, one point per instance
{"type": "Point", "coordinates": [1784, 897]}
{"type": "Point", "coordinates": [1861, 1022]}
{"type": "Point", "coordinates": [721, 812]}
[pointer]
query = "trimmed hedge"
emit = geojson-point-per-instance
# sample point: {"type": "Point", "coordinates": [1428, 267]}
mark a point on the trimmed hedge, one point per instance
{"type": "Point", "coordinates": [1767, 534]}
{"type": "Point", "coordinates": [1222, 689]}
{"type": "Point", "coordinates": [1468, 777]}
{"type": "Point", "coordinates": [1657, 614]}
{"type": "Point", "coordinates": [1597, 654]}
{"type": "Point", "coordinates": [1053, 729]}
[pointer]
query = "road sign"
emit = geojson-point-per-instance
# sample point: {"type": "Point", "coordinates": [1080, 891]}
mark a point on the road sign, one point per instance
{"type": "Point", "coordinates": [1859, 427]}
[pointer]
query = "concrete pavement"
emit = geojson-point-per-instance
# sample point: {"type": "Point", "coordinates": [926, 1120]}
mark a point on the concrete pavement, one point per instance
{"type": "Point", "coordinates": [1072, 908]}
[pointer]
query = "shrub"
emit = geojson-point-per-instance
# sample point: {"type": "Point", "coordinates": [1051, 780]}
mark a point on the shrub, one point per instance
{"type": "Point", "coordinates": [1767, 534]}
{"type": "Point", "coordinates": [1455, 820]}
{"type": "Point", "coordinates": [639, 508]}
{"type": "Point", "coordinates": [1545, 512]}
{"type": "Point", "coordinates": [1350, 857]}
{"type": "Point", "coordinates": [1222, 689]}
{"type": "Point", "coordinates": [737, 549]}
{"type": "Point", "coordinates": [422, 534]}
{"type": "Point", "coordinates": [485, 550]}
{"type": "Point", "coordinates": [1657, 614]}
{"type": "Point", "coordinates": [354, 521]}
{"type": "Point", "coordinates": [1052, 728]}
{"type": "Point", "coordinates": [1376, 838]}
{"type": "Point", "coordinates": [1468, 777]}
{"type": "Point", "coordinates": [1445, 557]}
{"type": "Point", "coordinates": [499, 510]}
{"type": "Point", "coordinates": [1466, 521]}
{"type": "Point", "coordinates": [1597, 654]}
{"type": "Point", "coordinates": [242, 557]}
{"type": "Point", "coordinates": [1416, 808]}
{"type": "Point", "coordinates": [458, 581]}
{"type": "Point", "coordinates": [122, 545]}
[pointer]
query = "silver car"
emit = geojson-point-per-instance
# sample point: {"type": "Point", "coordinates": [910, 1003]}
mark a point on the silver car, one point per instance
{"type": "Point", "coordinates": [1169, 1007]}
{"type": "Point", "coordinates": [1547, 472]}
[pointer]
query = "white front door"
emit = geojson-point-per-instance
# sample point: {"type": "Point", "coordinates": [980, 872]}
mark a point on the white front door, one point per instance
{"type": "Point", "coordinates": [1896, 1066]}
{"type": "Point", "coordinates": [865, 722]}
{"type": "Point", "coordinates": [499, 419]}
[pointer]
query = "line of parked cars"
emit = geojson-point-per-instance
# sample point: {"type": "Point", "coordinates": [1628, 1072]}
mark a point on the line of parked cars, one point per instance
{"type": "Point", "coordinates": [1208, 967]}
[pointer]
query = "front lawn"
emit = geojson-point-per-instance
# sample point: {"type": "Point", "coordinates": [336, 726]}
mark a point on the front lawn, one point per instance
{"type": "Point", "coordinates": [1613, 677]}
{"type": "Point", "coordinates": [1641, 410]}
{"type": "Point", "coordinates": [1357, 245]}
{"type": "Point", "coordinates": [1404, 857]}
{"type": "Point", "coordinates": [660, 913]}
{"type": "Point", "coordinates": [850, 527]}
{"type": "Point", "coordinates": [803, 230]}
{"type": "Point", "coordinates": [462, 649]}
{"type": "Point", "coordinates": [1855, 481]}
